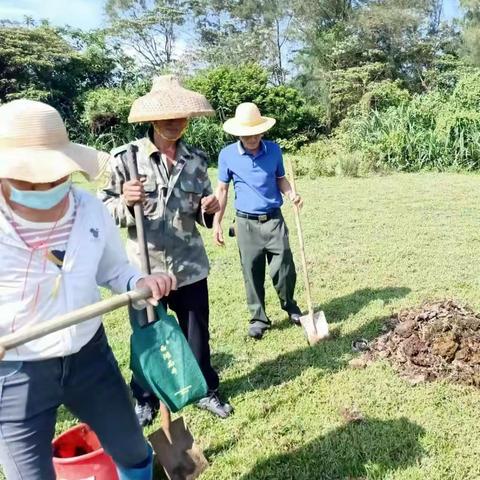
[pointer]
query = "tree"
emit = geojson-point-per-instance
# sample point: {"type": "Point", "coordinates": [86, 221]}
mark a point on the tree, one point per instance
{"type": "Point", "coordinates": [371, 41]}
{"type": "Point", "coordinates": [33, 61]}
{"type": "Point", "coordinates": [56, 66]}
{"type": "Point", "coordinates": [471, 30]}
{"type": "Point", "coordinates": [226, 87]}
{"type": "Point", "coordinates": [148, 27]}
{"type": "Point", "coordinates": [257, 31]}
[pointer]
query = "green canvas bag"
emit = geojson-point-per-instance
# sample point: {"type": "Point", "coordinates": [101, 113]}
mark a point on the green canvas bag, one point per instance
{"type": "Point", "coordinates": [162, 362]}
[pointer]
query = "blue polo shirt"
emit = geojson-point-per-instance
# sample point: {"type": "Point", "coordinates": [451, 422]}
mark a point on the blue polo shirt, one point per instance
{"type": "Point", "coordinates": [254, 176]}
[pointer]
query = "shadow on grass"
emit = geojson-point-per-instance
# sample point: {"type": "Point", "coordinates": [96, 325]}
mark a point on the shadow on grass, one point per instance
{"type": "Point", "coordinates": [329, 355]}
{"type": "Point", "coordinates": [339, 309]}
{"type": "Point", "coordinates": [367, 449]}
{"type": "Point", "coordinates": [222, 360]}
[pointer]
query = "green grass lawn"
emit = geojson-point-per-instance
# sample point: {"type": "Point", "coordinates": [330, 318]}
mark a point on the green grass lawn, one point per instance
{"type": "Point", "coordinates": [374, 246]}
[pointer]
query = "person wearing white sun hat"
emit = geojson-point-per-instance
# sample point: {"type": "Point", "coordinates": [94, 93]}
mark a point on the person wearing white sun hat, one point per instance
{"type": "Point", "coordinates": [57, 243]}
{"type": "Point", "coordinates": [256, 168]}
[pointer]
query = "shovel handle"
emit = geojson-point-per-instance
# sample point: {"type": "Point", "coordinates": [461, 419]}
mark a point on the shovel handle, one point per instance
{"type": "Point", "coordinates": [33, 332]}
{"type": "Point", "coordinates": [140, 225]}
{"type": "Point", "coordinates": [166, 419]}
{"type": "Point", "coordinates": [301, 241]}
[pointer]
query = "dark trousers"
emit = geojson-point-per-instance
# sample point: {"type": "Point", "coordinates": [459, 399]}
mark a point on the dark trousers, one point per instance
{"type": "Point", "coordinates": [260, 243]}
{"type": "Point", "coordinates": [90, 385]}
{"type": "Point", "coordinates": [190, 305]}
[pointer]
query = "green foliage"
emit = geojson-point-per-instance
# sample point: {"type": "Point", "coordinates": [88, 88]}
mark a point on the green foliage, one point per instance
{"type": "Point", "coordinates": [348, 86]}
{"type": "Point", "coordinates": [27, 58]}
{"type": "Point", "coordinates": [105, 116]}
{"type": "Point", "coordinates": [384, 94]}
{"type": "Point", "coordinates": [471, 32]}
{"type": "Point", "coordinates": [56, 66]}
{"type": "Point", "coordinates": [106, 107]}
{"type": "Point", "coordinates": [148, 27]}
{"type": "Point", "coordinates": [345, 49]}
{"type": "Point", "coordinates": [226, 87]}
{"type": "Point", "coordinates": [329, 157]}
{"type": "Point", "coordinates": [467, 91]}
{"type": "Point", "coordinates": [434, 131]}
{"type": "Point", "coordinates": [207, 135]}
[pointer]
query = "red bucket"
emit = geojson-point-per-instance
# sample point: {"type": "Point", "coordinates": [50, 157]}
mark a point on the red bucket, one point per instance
{"type": "Point", "coordinates": [78, 455]}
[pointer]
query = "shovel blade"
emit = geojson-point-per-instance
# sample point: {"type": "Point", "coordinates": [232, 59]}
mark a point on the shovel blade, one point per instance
{"type": "Point", "coordinates": [182, 458]}
{"type": "Point", "coordinates": [315, 327]}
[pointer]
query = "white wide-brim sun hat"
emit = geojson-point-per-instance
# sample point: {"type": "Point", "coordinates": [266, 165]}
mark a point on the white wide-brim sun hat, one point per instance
{"type": "Point", "coordinates": [168, 100]}
{"type": "Point", "coordinates": [35, 148]}
{"type": "Point", "coordinates": [248, 121]}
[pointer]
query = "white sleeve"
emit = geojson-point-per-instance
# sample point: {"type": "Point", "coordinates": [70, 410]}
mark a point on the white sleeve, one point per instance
{"type": "Point", "coordinates": [114, 270]}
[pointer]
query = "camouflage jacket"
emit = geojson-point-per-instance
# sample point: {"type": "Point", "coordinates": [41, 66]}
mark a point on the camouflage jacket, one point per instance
{"type": "Point", "coordinates": [172, 208]}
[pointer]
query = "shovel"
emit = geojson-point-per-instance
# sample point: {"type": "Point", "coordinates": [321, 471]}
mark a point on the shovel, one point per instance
{"type": "Point", "coordinates": [32, 332]}
{"type": "Point", "coordinates": [314, 324]}
{"type": "Point", "coordinates": [174, 445]}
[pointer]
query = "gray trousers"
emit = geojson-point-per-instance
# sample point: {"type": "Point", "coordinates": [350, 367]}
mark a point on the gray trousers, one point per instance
{"type": "Point", "coordinates": [90, 385]}
{"type": "Point", "coordinates": [261, 243]}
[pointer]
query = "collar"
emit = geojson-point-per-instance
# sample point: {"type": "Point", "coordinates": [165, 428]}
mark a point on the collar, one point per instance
{"type": "Point", "coordinates": [149, 146]}
{"type": "Point", "coordinates": [242, 151]}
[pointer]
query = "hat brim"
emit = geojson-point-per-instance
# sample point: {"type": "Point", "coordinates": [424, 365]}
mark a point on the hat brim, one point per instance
{"type": "Point", "coordinates": [169, 105]}
{"type": "Point", "coordinates": [44, 165]}
{"type": "Point", "coordinates": [233, 127]}
{"type": "Point", "coordinates": [155, 116]}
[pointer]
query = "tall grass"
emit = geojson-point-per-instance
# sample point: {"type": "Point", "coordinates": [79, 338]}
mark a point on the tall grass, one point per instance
{"type": "Point", "coordinates": [435, 131]}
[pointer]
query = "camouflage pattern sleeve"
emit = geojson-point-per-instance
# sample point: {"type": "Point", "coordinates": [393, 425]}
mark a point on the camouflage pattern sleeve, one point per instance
{"type": "Point", "coordinates": [204, 219]}
{"type": "Point", "coordinates": [111, 193]}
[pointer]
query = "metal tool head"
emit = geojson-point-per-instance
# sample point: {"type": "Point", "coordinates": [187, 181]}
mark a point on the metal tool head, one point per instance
{"type": "Point", "coordinates": [315, 327]}
{"type": "Point", "coordinates": [180, 457]}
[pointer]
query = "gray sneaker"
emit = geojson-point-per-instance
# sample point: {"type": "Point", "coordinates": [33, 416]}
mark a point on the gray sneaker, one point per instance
{"type": "Point", "coordinates": [213, 404]}
{"type": "Point", "coordinates": [257, 328]}
{"type": "Point", "coordinates": [146, 413]}
{"type": "Point", "coordinates": [295, 318]}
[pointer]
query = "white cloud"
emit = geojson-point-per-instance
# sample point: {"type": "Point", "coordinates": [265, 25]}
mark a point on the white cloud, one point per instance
{"type": "Point", "coordinates": [77, 13]}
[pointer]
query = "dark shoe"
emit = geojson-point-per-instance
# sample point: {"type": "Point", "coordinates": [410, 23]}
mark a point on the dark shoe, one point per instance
{"type": "Point", "coordinates": [257, 329]}
{"type": "Point", "coordinates": [213, 404]}
{"type": "Point", "coordinates": [295, 318]}
{"type": "Point", "coordinates": [146, 413]}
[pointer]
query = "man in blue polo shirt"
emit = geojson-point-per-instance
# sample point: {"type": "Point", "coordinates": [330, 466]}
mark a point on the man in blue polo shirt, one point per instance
{"type": "Point", "coordinates": [256, 168]}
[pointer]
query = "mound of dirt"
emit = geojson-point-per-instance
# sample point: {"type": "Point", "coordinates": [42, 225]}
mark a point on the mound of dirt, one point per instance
{"type": "Point", "coordinates": [439, 340]}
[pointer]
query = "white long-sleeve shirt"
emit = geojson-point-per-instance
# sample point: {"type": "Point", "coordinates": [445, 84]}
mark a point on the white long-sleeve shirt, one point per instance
{"type": "Point", "coordinates": [34, 289]}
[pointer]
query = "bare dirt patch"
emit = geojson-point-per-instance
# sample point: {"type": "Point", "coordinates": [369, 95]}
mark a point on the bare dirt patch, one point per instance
{"type": "Point", "coordinates": [439, 340]}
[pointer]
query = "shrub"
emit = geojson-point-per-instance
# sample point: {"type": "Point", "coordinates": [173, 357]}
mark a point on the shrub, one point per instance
{"type": "Point", "coordinates": [383, 95]}
{"type": "Point", "coordinates": [226, 87]}
{"type": "Point", "coordinates": [207, 135]}
{"type": "Point", "coordinates": [105, 118]}
{"type": "Point", "coordinates": [434, 131]}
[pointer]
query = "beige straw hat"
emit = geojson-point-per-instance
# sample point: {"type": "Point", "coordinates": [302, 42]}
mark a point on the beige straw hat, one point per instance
{"type": "Point", "coordinates": [168, 100]}
{"type": "Point", "coordinates": [248, 121]}
{"type": "Point", "coordinates": [34, 145]}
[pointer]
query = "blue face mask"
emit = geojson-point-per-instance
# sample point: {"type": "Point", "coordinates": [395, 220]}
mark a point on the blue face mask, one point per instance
{"type": "Point", "coordinates": [40, 199]}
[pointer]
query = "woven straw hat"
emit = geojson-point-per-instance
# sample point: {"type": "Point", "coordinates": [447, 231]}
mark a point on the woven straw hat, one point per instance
{"type": "Point", "coordinates": [168, 100]}
{"type": "Point", "coordinates": [248, 121]}
{"type": "Point", "coordinates": [34, 145]}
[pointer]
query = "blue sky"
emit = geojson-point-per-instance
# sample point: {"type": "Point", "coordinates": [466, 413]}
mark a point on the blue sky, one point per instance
{"type": "Point", "coordinates": [89, 13]}
{"type": "Point", "coordinates": [451, 8]}
{"type": "Point", "coordinates": [77, 13]}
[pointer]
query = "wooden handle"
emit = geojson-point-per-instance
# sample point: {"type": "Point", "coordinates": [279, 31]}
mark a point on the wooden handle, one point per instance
{"type": "Point", "coordinates": [140, 226]}
{"type": "Point", "coordinates": [166, 419]}
{"type": "Point", "coordinates": [33, 332]}
{"type": "Point", "coordinates": [301, 242]}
